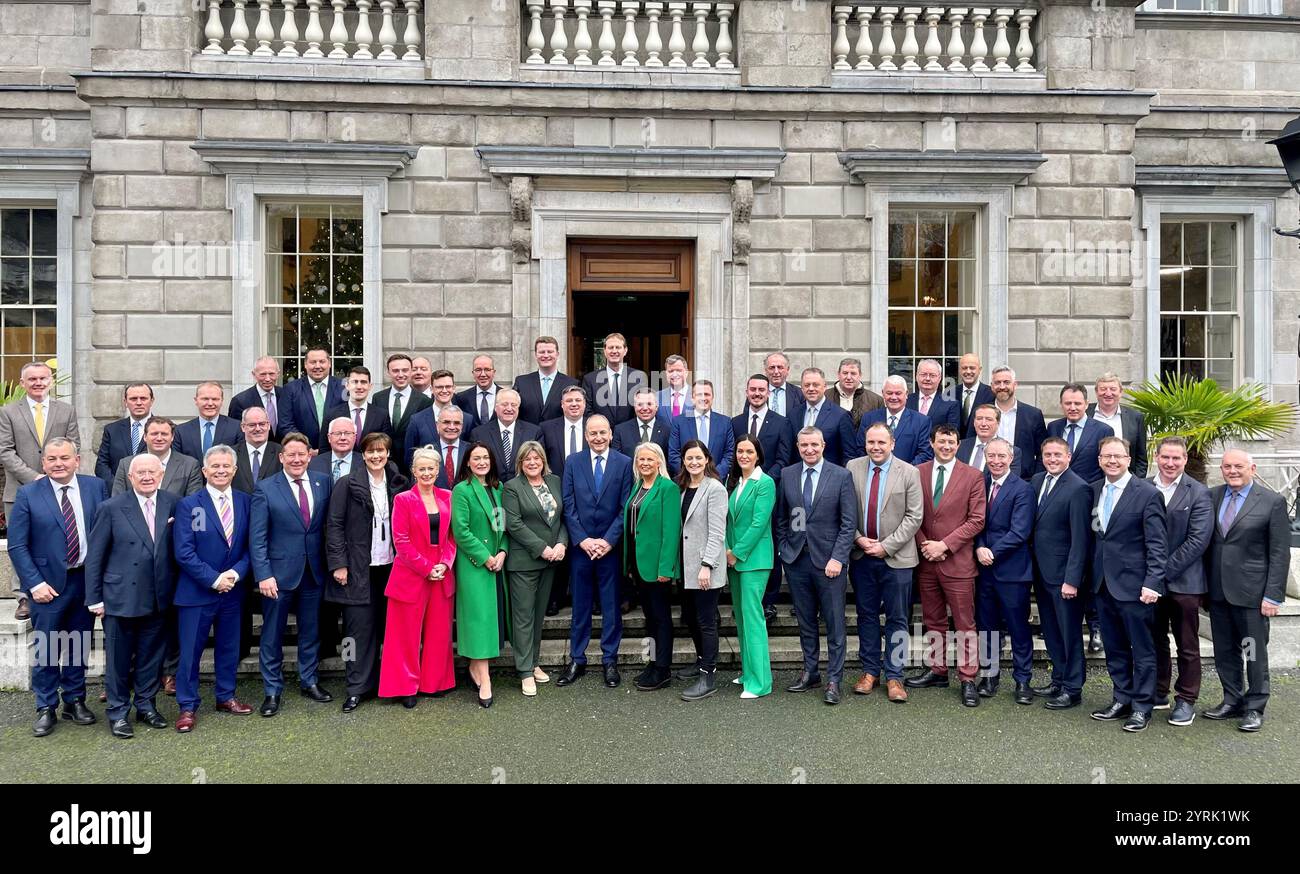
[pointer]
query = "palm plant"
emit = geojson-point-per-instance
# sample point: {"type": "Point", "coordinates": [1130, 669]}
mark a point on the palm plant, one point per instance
{"type": "Point", "coordinates": [1207, 416]}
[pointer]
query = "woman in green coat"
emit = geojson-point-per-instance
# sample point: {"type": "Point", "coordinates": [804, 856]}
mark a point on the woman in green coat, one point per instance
{"type": "Point", "coordinates": [749, 561]}
{"type": "Point", "coordinates": [482, 604]}
{"type": "Point", "coordinates": [652, 538]}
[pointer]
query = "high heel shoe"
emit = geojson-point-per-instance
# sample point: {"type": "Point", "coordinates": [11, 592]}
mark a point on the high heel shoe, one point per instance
{"type": "Point", "coordinates": [485, 702]}
{"type": "Point", "coordinates": [410, 701]}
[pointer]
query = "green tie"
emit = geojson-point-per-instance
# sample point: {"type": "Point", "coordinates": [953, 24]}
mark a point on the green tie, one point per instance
{"type": "Point", "coordinates": [397, 408]}
{"type": "Point", "coordinates": [938, 488]}
{"type": "Point", "coordinates": [319, 389]}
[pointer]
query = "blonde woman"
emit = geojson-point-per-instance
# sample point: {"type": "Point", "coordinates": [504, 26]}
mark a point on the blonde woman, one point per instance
{"type": "Point", "coordinates": [652, 555]}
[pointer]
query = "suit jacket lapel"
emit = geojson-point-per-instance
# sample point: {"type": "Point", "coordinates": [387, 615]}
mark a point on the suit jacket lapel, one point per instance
{"type": "Point", "coordinates": [25, 411]}
{"type": "Point", "coordinates": [136, 517]}
{"type": "Point", "coordinates": [1124, 501]}
{"type": "Point", "coordinates": [1048, 498]}
{"type": "Point", "coordinates": [1247, 506]}
{"type": "Point", "coordinates": [690, 511]}
{"type": "Point", "coordinates": [287, 495]}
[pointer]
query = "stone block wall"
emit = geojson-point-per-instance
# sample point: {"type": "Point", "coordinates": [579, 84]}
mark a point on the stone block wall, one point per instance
{"type": "Point", "coordinates": [41, 41]}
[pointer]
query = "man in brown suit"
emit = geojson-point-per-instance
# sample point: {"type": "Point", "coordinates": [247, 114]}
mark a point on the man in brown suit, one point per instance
{"type": "Point", "coordinates": [849, 394]}
{"type": "Point", "coordinates": [954, 505]}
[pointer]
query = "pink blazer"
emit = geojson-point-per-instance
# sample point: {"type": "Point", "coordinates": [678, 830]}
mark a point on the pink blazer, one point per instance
{"type": "Point", "coordinates": [416, 556]}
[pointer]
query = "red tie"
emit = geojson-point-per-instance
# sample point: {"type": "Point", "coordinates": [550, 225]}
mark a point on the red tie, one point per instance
{"type": "Point", "coordinates": [993, 496]}
{"type": "Point", "coordinates": [872, 509]}
{"type": "Point", "coordinates": [447, 466]}
{"type": "Point", "coordinates": [302, 504]}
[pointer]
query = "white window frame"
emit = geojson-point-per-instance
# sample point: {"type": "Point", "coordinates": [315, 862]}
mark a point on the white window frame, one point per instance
{"type": "Point", "coordinates": [1239, 315]}
{"type": "Point", "coordinates": [1255, 263]}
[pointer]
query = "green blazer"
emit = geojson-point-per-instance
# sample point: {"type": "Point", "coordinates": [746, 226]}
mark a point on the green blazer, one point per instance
{"type": "Point", "coordinates": [527, 526]}
{"type": "Point", "coordinates": [749, 525]}
{"type": "Point", "coordinates": [477, 524]}
{"type": "Point", "coordinates": [658, 532]}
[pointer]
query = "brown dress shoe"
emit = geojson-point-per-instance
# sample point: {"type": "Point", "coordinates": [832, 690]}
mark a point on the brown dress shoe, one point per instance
{"type": "Point", "coordinates": [24, 611]}
{"type": "Point", "coordinates": [234, 705]}
{"type": "Point", "coordinates": [103, 696]}
{"type": "Point", "coordinates": [897, 693]}
{"type": "Point", "coordinates": [186, 722]}
{"type": "Point", "coordinates": [169, 686]}
{"type": "Point", "coordinates": [865, 685]}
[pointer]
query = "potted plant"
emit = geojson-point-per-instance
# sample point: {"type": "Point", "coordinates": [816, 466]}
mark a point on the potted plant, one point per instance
{"type": "Point", "coordinates": [1208, 416]}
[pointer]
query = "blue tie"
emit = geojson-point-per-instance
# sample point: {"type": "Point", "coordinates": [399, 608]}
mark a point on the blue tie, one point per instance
{"type": "Point", "coordinates": [135, 437]}
{"type": "Point", "coordinates": [1073, 429]}
{"type": "Point", "coordinates": [600, 472]}
{"type": "Point", "coordinates": [338, 469]}
{"type": "Point", "coordinates": [704, 429]}
{"type": "Point", "coordinates": [808, 491]}
{"type": "Point", "coordinates": [1107, 505]}
{"type": "Point", "coordinates": [207, 436]}
{"type": "Point", "coordinates": [546, 388]}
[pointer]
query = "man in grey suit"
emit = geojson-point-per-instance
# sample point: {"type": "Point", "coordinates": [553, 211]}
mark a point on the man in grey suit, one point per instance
{"type": "Point", "coordinates": [182, 475]}
{"type": "Point", "coordinates": [1249, 558]}
{"type": "Point", "coordinates": [817, 516]}
{"type": "Point", "coordinates": [888, 492]}
{"type": "Point", "coordinates": [25, 426]}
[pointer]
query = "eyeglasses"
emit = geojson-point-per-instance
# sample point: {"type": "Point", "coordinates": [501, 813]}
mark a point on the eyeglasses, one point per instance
{"type": "Point", "coordinates": [1110, 456]}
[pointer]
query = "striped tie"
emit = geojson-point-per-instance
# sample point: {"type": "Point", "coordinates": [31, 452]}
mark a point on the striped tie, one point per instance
{"type": "Point", "coordinates": [227, 520]}
{"type": "Point", "coordinates": [70, 530]}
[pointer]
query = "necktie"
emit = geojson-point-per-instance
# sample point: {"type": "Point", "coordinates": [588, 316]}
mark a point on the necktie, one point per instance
{"type": "Point", "coordinates": [703, 429]}
{"type": "Point", "coordinates": [1047, 488]}
{"type": "Point", "coordinates": [207, 436]}
{"type": "Point", "coordinates": [271, 414]}
{"type": "Point", "coordinates": [302, 504]}
{"type": "Point", "coordinates": [778, 400]}
{"type": "Point", "coordinates": [810, 418]}
{"type": "Point", "coordinates": [645, 432]}
{"type": "Point", "coordinates": [505, 449]}
{"type": "Point", "coordinates": [977, 459]}
{"type": "Point", "coordinates": [965, 404]}
{"type": "Point", "coordinates": [356, 420]}
{"type": "Point", "coordinates": [1073, 429]}
{"type": "Point", "coordinates": [448, 465]}
{"type": "Point", "coordinates": [993, 493]}
{"type": "Point", "coordinates": [135, 437]}
{"type": "Point", "coordinates": [482, 405]}
{"type": "Point", "coordinates": [925, 404]}
{"type": "Point", "coordinates": [808, 491]}
{"type": "Point", "coordinates": [753, 424]}
{"type": "Point", "coordinates": [615, 402]}
{"type": "Point", "coordinates": [600, 472]}
{"type": "Point", "coordinates": [938, 488]}
{"type": "Point", "coordinates": [573, 439]}
{"type": "Point", "coordinates": [227, 520]}
{"type": "Point", "coordinates": [397, 408]}
{"type": "Point", "coordinates": [148, 518]}
{"type": "Point", "coordinates": [39, 416]}
{"type": "Point", "coordinates": [1107, 505]}
{"type": "Point", "coordinates": [1230, 514]}
{"type": "Point", "coordinates": [893, 423]}
{"type": "Point", "coordinates": [872, 509]}
{"type": "Point", "coordinates": [677, 404]}
{"type": "Point", "coordinates": [319, 390]}
{"type": "Point", "coordinates": [257, 465]}
{"type": "Point", "coordinates": [70, 530]}
{"type": "Point", "coordinates": [546, 388]}
{"type": "Point", "coordinates": [338, 469]}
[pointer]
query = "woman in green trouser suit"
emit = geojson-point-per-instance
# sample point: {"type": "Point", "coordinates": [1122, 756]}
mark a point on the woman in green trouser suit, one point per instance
{"type": "Point", "coordinates": [534, 509]}
{"type": "Point", "coordinates": [652, 536]}
{"type": "Point", "coordinates": [482, 604]}
{"type": "Point", "coordinates": [749, 561]}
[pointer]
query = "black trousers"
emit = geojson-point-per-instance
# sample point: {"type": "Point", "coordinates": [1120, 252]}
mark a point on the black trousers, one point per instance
{"type": "Point", "coordinates": [330, 616]}
{"type": "Point", "coordinates": [1128, 634]}
{"type": "Point", "coordinates": [656, 598]}
{"type": "Point", "coordinates": [171, 660]}
{"type": "Point", "coordinates": [252, 604]}
{"type": "Point", "coordinates": [1241, 635]}
{"type": "Point", "coordinates": [134, 650]}
{"type": "Point", "coordinates": [363, 632]}
{"type": "Point", "coordinates": [700, 613]}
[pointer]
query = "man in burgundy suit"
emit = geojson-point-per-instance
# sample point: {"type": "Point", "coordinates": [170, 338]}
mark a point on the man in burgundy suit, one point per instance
{"type": "Point", "coordinates": [953, 505]}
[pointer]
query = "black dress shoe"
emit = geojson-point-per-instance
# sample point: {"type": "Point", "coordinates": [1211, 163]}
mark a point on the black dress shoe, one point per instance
{"type": "Point", "coordinates": [317, 694]}
{"type": "Point", "coordinates": [612, 677]}
{"type": "Point", "coordinates": [653, 678]}
{"type": "Point", "coordinates": [805, 682]}
{"type": "Point", "coordinates": [270, 705]}
{"type": "Point", "coordinates": [552, 610]}
{"type": "Point", "coordinates": [1051, 690]}
{"type": "Point", "coordinates": [351, 703]}
{"type": "Point", "coordinates": [571, 674]}
{"type": "Point", "coordinates": [929, 678]}
{"type": "Point", "coordinates": [45, 721]}
{"type": "Point", "coordinates": [1094, 640]}
{"type": "Point", "coordinates": [988, 687]}
{"type": "Point", "coordinates": [1137, 721]}
{"type": "Point", "coordinates": [1225, 711]}
{"type": "Point", "coordinates": [1024, 695]}
{"type": "Point", "coordinates": [969, 695]}
{"type": "Point", "coordinates": [121, 728]}
{"type": "Point", "coordinates": [78, 712]}
{"type": "Point", "coordinates": [690, 672]}
{"type": "Point", "coordinates": [1114, 711]}
{"type": "Point", "coordinates": [153, 719]}
{"type": "Point", "coordinates": [409, 701]}
{"type": "Point", "coordinates": [1063, 702]}
{"type": "Point", "coordinates": [769, 613]}
{"type": "Point", "coordinates": [1252, 721]}
{"type": "Point", "coordinates": [832, 695]}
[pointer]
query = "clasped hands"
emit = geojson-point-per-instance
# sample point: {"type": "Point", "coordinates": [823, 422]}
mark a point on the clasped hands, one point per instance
{"type": "Point", "coordinates": [934, 550]}
{"type": "Point", "coordinates": [595, 547]}
{"type": "Point", "coordinates": [870, 546]}
{"type": "Point", "coordinates": [554, 553]}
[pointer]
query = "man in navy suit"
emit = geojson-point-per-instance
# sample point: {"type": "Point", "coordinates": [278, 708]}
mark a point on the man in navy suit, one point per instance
{"type": "Point", "coordinates": [911, 429]}
{"type": "Point", "coordinates": [1189, 523]}
{"type": "Point", "coordinates": [784, 398]}
{"type": "Point", "coordinates": [971, 393]}
{"type": "Point", "coordinates": [703, 424]}
{"type": "Point", "coordinates": [211, 546]}
{"type": "Point", "coordinates": [198, 435]}
{"type": "Point", "coordinates": [541, 390]}
{"type": "Point", "coordinates": [597, 482]}
{"type": "Point", "coordinates": [1128, 577]}
{"type": "Point", "coordinates": [1020, 424]}
{"type": "Point", "coordinates": [265, 392]}
{"type": "Point", "coordinates": [446, 438]}
{"type": "Point", "coordinates": [984, 422]}
{"type": "Point", "coordinates": [930, 397]}
{"type": "Point", "coordinates": [400, 400]}
{"type": "Point", "coordinates": [840, 442]}
{"type": "Point", "coordinates": [426, 426]}
{"type": "Point", "coordinates": [505, 433]}
{"type": "Point", "coordinates": [1082, 434]}
{"type": "Point", "coordinates": [124, 437]}
{"type": "Point", "coordinates": [1062, 547]}
{"type": "Point", "coordinates": [646, 425]}
{"type": "Point", "coordinates": [1006, 570]}
{"type": "Point", "coordinates": [286, 544]}
{"type": "Point", "coordinates": [340, 455]}
{"type": "Point", "coordinates": [48, 532]}
{"type": "Point", "coordinates": [305, 400]}
{"type": "Point", "coordinates": [772, 430]}
{"type": "Point", "coordinates": [130, 584]}
{"type": "Point", "coordinates": [566, 435]}
{"type": "Point", "coordinates": [674, 399]}
{"type": "Point", "coordinates": [480, 399]}
{"type": "Point", "coordinates": [367, 417]}
{"type": "Point", "coordinates": [817, 517]}
{"type": "Point", "coordinates": [609, 390]}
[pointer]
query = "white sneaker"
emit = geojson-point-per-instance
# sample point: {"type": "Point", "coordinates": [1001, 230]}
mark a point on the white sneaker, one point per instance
{"type": "Point", "coordinates": [747, 694]}
{"type": "Point", "coordinates": [529, 687]}
{"type": "Point", "coordinates": [736, 681]}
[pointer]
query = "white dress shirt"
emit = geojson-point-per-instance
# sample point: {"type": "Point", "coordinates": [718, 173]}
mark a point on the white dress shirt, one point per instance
{"type": "Point", "coordinates": [751, 426]}
{"type": "Point", "coordinates": [306, 487]}
{"type": "Point", "coordinates": [604, 457]}
{"type": "Point", "coordinates": [777, 398]}
{"type": "Point", "coordinates": [810, 416]}
{"type": "Point", "coordinates": [1167, 489]}
{"type": "Point", "coordinates": [574, 436]}
{"type": "Point", "coordinates": [1007, 424]}
{"type": "Point", "coordinates": [1120, 484]}
{"type": "Point", "coordinates": [1115, 422]}
{"type": "Point", "coordinates": [977, 460]}
{"type": "Point", "coordinates": [947, 468]}
{"type": "Point", "coordinates": [248, 455]}
{"type": "Point", "coordinates": [753, 477]}
{"type": "Point", "coordinates": [381, 537]}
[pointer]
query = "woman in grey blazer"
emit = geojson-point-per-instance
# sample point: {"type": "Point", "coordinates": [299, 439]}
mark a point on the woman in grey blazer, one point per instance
{"type": "Point", "coordinates": [704, 562]}
{"type": "Point", "coordinates": [534, 517]}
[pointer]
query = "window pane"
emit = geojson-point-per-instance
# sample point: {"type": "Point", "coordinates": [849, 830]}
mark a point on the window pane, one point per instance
{"type": "Point", "coordinates": [900, 333]}
{"type": "Point", "coordinates": [282, 279]}
{"type": "Point", "coordinates": [1171, 244]}
{"type": "Point", "coordinates": [931, 235]}
{"type": "Point", "coordinates": [313, 229]}
{"type": "Point", "coordinates": [347, 280]}
{"type": "Point", "coordinates": [15, 281]}
{"type": "Point", "coordinates": [962, 236]}
{"type": "Point", "coordinates": [1223, 289]}
{"type": "Point", "coordinates": [314, 328]}
{"type": "Point", "coordinates": [902, 236]}
{"type": "Point", "coordinates": [1169, 337]}
{"type": "Point", "coordinates": [44, 281]}
{"type": "Point", "coordinates": [962, 283]}
{"type": "Point", "coordinates": [930, 290]}
{"type": "Point", "coordinates": [281, 229]}
{"type": "Point", "coordinates": [314, 279]}
{"type": "Point", "coordinates": [1171, 289]}
{"type": "Point", "coordinates": [902, 283]}
{"type": "Point", "coordinates": [1219, 330]}
{"type": "Point", "coordinates": [46, 334]}
{"type": "Point", "coordinates": [45, 232]}
{"type": "Point", "coordinates": [15, 231]}
{"type": "Point", "coordinates": [347, 230]}
{"type": "Point", "coordinates": [1223, 243]}
{"type": "Point", "coordinates": [347, 337]}
{"type": "Point", "coordinates": [1194, 369]}
{"type": "Point", "coordinates": [17, 332]}
{"type": "Point", "coordinates": [929, 334]}
{"type": "Point", "coordinates": [1196, 243]}
{"type": "Point", "coordinates": [1195, 289]}
{"type": "Point", "coordinates": [1220, 371]}
{"type": "Point", "coordinates": [1168, 367]}
{"type": "Point", "coordinates": [1192, 329]}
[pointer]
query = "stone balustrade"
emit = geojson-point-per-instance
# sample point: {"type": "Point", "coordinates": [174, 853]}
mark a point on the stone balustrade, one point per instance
{"type": "Point", "coordinates": [354, 30]}
{"type": "Point", "coordinates": [605, 34]}
{"type": "Point", "coordinates": [919, 40]}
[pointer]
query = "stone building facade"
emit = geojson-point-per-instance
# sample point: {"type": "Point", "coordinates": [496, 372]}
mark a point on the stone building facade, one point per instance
{"type": "Point", "coordinates": [1068, 187]}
